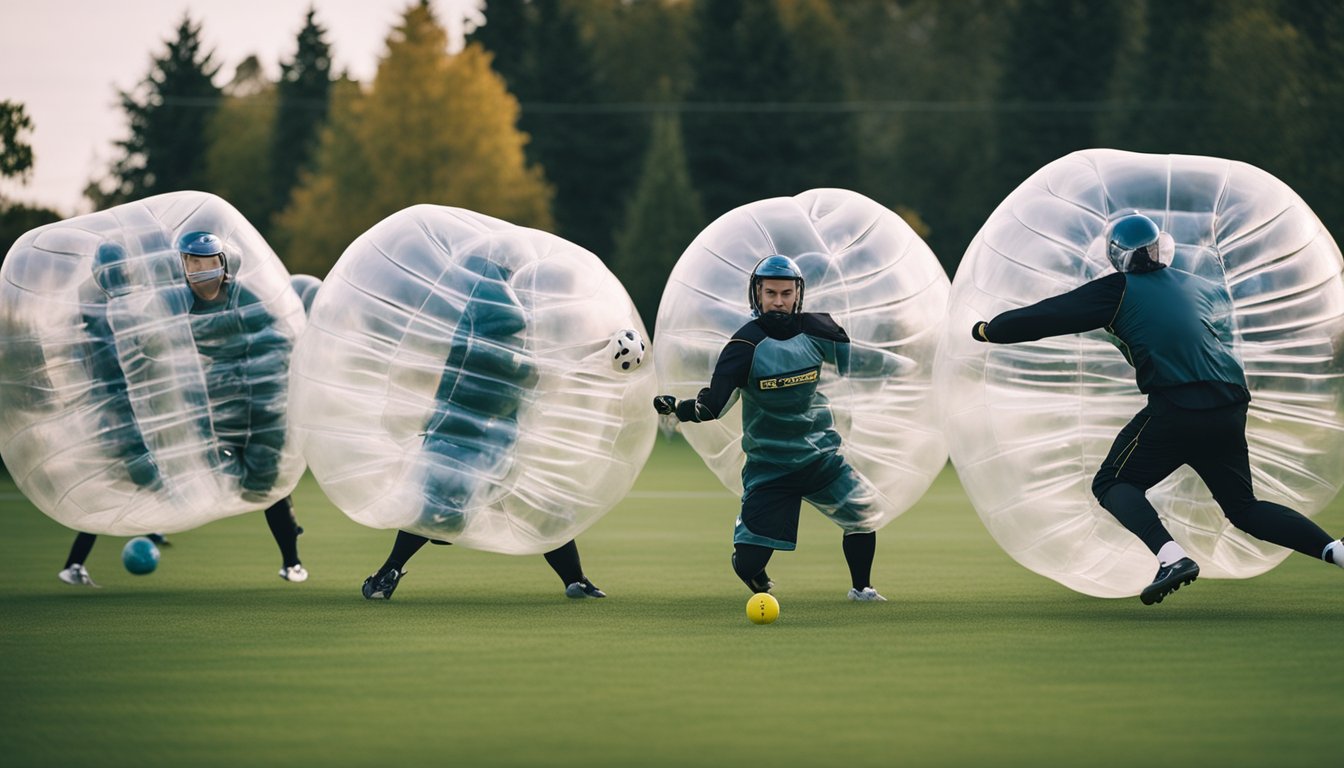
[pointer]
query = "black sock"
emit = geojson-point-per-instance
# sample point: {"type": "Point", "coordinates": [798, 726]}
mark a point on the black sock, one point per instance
{"type": "Point", "coordinates": [749, 561]}
{"type": "Point", "coordinates": [859, 551]}
{"type": "Point", "coordinates": [280, 517]}
{"type": "Point", "coordinates": [564, 560]}
{"type": "Point", "coordinates": [406, 545]}
{"type": "Point", "coordinates": [79, 551]}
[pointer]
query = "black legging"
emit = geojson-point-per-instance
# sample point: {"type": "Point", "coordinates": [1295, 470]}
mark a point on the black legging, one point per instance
{"type": "Point", "coordinates": [1157, 441]}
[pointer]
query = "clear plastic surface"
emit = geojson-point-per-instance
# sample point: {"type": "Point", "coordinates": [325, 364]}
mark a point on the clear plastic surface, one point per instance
{"type": "Point", "coordinates": [128, 406]}
{"type": "Point", "coordinates": [1029, 424]}
{"type": "Point", "coordinates": [456, 381]}
{"type": "Point", "coordinates": [866, 267]}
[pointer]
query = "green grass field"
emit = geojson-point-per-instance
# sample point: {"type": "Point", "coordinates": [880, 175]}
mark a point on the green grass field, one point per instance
{"type": "Point", "coordinates": [481, 661]}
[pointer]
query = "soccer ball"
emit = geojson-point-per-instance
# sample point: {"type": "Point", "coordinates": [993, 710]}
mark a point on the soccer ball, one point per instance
{"type": "Point", "coordinates": [626, 350]}
{"type": "Point", "coordinates": [140, 556]}
{"type": "Point", "coordinates": [762, 608]}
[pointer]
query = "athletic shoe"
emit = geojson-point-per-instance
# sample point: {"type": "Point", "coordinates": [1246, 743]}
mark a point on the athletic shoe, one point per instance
{"type": "Point", "coordinates": [381, 587]}
{"type": "Point", "coordinates": [159, 539]}
{"type": "Point", "coordinates": [295, 573]}
{"type": "Point", "coordinates": [76, 576]}
{"type": "Point", "coordinates": [866, 595]}
{"type": "Point", "coordinates": [582, 589]}
{"type": "Point", "coordinates": [1169, 578]}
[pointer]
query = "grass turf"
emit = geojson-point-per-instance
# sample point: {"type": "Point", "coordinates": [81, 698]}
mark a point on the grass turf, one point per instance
{"type": "Point", "coordinates": [480, 661]}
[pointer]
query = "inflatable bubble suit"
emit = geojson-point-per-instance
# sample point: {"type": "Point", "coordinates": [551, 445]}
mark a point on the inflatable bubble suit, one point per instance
{"type": "Point", "coordinates": [128, 404]}
{"type": "Point", "coordinates": [455, 382]}
{"type": "Point", "coordinates": [866, 267]}
{"type": "Point", "coordinates": [1029, 424]}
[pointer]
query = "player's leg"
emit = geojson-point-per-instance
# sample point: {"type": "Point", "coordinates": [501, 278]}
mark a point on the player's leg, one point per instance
{"type": "Point", "coordinates": [564, 560]}
{"type": "Point", "coordinates": [848, 500]}
{"type": "Point", "coordinates": [74, 572]}
{"type": "Point", "coordinates": [384, 581]}
{"type": "Point", "coordinates": [1224, 465]}
{"type": "Point", "coordinates": [1147, 450]}
{"type": "Point", "coordinates": [280, 519]}
{"type": "Point", "coordinates": [768, 522]}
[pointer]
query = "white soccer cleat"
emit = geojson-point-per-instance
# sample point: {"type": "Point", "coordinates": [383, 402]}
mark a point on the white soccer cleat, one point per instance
{"type": "Point", "coordinates": [866, 595]}
{"type": "Point", "coordinates": [77, 576]}
{"type": "Point", "coordinates": [294, 573]}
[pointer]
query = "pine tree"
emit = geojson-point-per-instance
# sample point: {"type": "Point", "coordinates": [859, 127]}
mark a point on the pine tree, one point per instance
{"type": "Point", "coordinates": [16, 154]}
{"type": "Point", "coordinates": [507, 35]}
{"type": "Point", "coordinates": [304, 93]}
{"type": "Point", "coordinates": [663, 217]}
{"type": "Point", "coordinates": [1051, 84]}
{"type": "Point", "coordinates": [169, 114]}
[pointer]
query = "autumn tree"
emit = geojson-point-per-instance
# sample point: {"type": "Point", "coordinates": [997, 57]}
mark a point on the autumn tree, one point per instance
{"type": "Point", "coordinates": [434, 128]}
{"type": "Point", "coordinates": [238, 165]}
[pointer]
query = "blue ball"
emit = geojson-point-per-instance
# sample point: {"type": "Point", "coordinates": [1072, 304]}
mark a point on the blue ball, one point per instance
{"type": "Point", "coordinates": [140, 556]}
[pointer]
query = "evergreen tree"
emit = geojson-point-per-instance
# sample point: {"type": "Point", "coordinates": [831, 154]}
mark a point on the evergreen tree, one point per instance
{"type": "Point", "coordinates": [238, 165]}
{"type": "Point", "coordinates": [434, 128]}
{"type": "Point", "coordinates": [929, 69]}
{"type": "Point", "coordinates": [824, 144]}
{"type": "Point", "coordinates": [1052, 83]}
{"type": "Point", "coordinates": [589, 155]}
{"type": "Point", "coordinates": [1317, 171]}
{"type": "Point", "coordinates": [304, 94]}
{"type": "Point", "coordinates": [1164, 91]}
{"type": "Point", "coordinates": [662, 219]}
{"type": "Point", "coordinates": [169, 114]}
{"type": "Point", "coordinates": [16, 154]}
{"type": "Point", "coordinates": [507, 35]}
{"type": "Point", "coordinates": [715, 140]}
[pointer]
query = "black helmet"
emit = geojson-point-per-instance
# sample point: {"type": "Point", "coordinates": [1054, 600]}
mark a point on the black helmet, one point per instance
{"type": "Point", "coordinates": [1135, 244]}
{"type": "Point", "coordinates": [774, 267]}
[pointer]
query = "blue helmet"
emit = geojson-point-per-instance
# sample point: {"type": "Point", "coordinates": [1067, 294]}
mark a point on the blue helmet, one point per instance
{"type": "Point", "coordinates": [774, 267]}
{"type": "Point", "coordinates": [206, 245]}
{"type": "Point", "coordinates": [1135, 244]}
{"type": "Point", "coordinates": [200, 244]}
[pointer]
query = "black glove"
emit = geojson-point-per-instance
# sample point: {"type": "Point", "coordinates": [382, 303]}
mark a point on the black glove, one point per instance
{"type": "Point", "coordinates": [665, 404]}
{"type": "Point", "coordinates": [978, 331]}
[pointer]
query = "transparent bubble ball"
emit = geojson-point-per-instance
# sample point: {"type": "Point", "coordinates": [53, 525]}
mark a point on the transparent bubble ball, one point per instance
{"type": "Point", "coordinates": [128, 406]}
{"type": "Point", "coordinates": [1029, 424]}
{"type": "Point", "coordinates": [455, 382]}
{"type": "Point", "coordinates": [866, 267]}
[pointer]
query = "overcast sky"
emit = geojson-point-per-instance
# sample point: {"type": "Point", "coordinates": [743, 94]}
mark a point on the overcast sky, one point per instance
{"type": "Point", "coordinates": [65, 60]}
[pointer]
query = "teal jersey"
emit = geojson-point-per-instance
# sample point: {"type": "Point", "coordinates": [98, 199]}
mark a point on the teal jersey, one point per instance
{"type": "Point", "coordinates": [787, 423]}
{"type": "Point", "coordinates": [1175, 328]}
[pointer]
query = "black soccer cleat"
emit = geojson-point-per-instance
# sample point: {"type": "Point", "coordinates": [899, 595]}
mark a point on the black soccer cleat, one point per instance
{"type": "Point", "coordinates": [381, 587]}
{"type": "Point", "coordinates": [1170, 578]}
{"type": "Point", "coordinates": [583, 589]}
{"type": "Point", "coordinates": [758, 583]}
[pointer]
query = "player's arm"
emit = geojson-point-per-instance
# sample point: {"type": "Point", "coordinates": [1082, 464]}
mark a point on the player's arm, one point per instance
{"type": "Point", "coordinates": [730, 374]}
{"type": "Point", "coordinates": [1086, 308]}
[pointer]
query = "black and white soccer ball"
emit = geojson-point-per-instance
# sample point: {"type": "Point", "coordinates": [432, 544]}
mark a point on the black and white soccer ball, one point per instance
{"type": "Point", "coordinates": [626, 351]}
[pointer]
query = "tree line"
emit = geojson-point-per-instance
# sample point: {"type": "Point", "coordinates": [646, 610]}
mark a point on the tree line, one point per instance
{"type": "Point", "coordinates": [627, 126]}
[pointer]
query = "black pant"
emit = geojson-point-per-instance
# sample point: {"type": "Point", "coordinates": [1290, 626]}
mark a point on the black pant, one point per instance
{"type": "Point", "coordinates": [1161, 438]}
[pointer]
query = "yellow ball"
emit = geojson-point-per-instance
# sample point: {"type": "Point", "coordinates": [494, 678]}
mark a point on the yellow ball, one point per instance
{"type": "Point", "coordinates": [762, 608]}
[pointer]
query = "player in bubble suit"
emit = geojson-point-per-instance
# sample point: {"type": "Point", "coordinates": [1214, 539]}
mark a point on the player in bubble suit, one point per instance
{"type": "Point", "coordinates": [474, 425]}
{"type": "Point", "coordinates": [1174, 328]}
{"type": "Point", "coordinates": [788, 433]}
{"type": "Point", "coordinates": [237, 354]}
